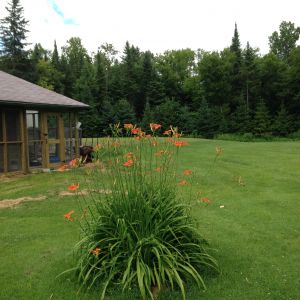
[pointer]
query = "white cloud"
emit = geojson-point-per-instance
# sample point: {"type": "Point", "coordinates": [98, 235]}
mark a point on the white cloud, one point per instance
{"type": "Point", "coordinates": [158, 25]}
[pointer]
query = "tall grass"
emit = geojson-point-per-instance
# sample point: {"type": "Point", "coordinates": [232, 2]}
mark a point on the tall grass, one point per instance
{"type": "Point", "coordinates": [136, 228]}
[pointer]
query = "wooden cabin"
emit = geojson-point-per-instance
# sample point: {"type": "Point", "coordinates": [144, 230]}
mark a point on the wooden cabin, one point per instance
{"type": "Point", "coordinates": [38, 128]}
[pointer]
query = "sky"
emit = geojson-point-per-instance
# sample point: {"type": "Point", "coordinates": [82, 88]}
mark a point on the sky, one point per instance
{"type": "Point", "coordinates": [156, 25]}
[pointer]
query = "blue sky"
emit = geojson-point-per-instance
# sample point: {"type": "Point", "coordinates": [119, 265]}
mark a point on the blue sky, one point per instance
{"type": "Point", "coordinates": [67, 21]}
{"type": "Point", "coordinates": [156, 25]}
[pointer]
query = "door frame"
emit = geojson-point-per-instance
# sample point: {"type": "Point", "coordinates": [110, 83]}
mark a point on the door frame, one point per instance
{"type": "Point", "coordinates": [50, 141]}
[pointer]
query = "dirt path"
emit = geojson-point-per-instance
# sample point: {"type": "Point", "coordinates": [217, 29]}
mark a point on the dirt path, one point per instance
{"type": "Point", "coordinates": [7, 203]}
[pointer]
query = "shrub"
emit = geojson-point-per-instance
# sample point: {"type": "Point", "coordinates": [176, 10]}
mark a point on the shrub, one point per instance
{"type": "Point", "coordinates": [138, 231]}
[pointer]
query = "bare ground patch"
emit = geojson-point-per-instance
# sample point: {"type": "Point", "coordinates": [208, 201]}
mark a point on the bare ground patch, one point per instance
{"type": "Point", "coordinates": [7, 203]}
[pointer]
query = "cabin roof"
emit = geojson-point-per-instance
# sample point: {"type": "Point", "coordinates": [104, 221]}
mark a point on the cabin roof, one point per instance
{"type": "Point", "coordinates": [17, 91]}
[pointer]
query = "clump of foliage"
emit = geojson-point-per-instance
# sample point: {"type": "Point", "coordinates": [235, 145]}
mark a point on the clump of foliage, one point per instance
{"type": "Point", "coordinates": [136, 228]}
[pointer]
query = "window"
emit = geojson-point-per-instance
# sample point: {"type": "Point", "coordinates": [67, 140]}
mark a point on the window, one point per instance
{"type": "Point", "coordinates": [1, 159]}
{"type": "Point", "coordinates": [10, 141]}
{"type": "Point", "coordinates": [34, 138]}
{"type": "Point", "coordinates": [12, 125]}
{"type": "Point", "coordinates": [69, 130]}
{"type": "Point", "coordinates": [1, 127]}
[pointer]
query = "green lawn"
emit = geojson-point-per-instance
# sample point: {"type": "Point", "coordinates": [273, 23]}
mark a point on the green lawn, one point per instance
{"type": "Point", "coordinates": [255, 235]}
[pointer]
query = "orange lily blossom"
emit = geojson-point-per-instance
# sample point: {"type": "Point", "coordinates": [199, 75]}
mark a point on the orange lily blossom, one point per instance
{"type": "Point", "coordinates": [73, 187]}
{"type": "Point", "coordinates": [205, 200]}
{"type": "Point", "coordinates": [96, 251]}
{"type": "Point", "coordinates": [157, 170]}
{"type": "Point", "coordinates": [62, 168]}
{"type": "Point", "coordinates": [154, 126]}
{"type": "Point", "coordinates": [128, 163]}
{"type": "Point", "coordinates": [129, 155]}
{"type": "Point", "coordinates": [68, 216]}
{"type": "Point", "coordinates": [187, 172]}
{"type": "Point", "coordinates": [73, 162]}
{"type": "Point", "coordinates": [128, 126]}
{"type": "Point", "coordinates": [136, 130]}
{"type": "Point", "coordinates": [98, 147]}
{"type": "Point", "coordinates": [159, 153]}
{"type": "Point", "coordinates": [180, 144]}
{"type": "Point", "coordinates": [168, 132]}
{"type": "Point", "coordinates": [182, 182]}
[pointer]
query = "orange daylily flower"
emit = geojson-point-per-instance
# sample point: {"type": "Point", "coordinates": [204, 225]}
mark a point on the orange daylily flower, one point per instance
{"type": "Point", "coordinates": [168, 132]}
{"type": "Point", "coordinates": [136, 130]}
{"type": "Point", "coordinates": [157, 170]}
{"type": "Point", "coordinates": [128, 126]}
{"type": "Point", "coordinates": [180, 144]}
{"type": "Point", "coordinates": [128, 163]}
{"type": "Point", "coordinates": [187, 172]}
{"type": "Point", "coordinates": [137, 138]}
{"type": "Point", "coordinates": [73, 187]}
{"type": "Point", "coordinates": [129, 155]}
{"type": "Point", "coordinates": [98, 147]}
{"type": "Point", "coordinates": [68, 216]}
{"type": "Point", "coordinates": [205, 200]}
{"type": "Point", "coordinates": [96, 251]}
{"type": "Point", "coordinates": [159, 153]}
{"type": "Point", "coordinates": [182, 182]}
{"type": "Point", "coordinates": [73, 162]}
{"type": "Point", "coordinates": [154, 143]}
{"type": "Point", "coordinates": [62, 168]}
{"type": "Point", "coordinates": [154, 126]}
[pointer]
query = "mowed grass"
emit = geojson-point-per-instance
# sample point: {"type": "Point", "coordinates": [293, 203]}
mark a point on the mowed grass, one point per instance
{"type": "Point", "coordinates": [255, 236]}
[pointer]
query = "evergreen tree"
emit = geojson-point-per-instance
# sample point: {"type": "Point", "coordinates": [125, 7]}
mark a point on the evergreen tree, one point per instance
{"type": "Point", "coordinates": [124, 112]}
{"type": "Point", "coordinates": [282, 125]}
{"type": "Point", "coordinates": [55, 57]}
{"type": "Point", "coordinates": [148, 117]}
{"type": "Point", "coordinates": [236, 80]}
{"type": "Point", "coordinates": [14, 56]}
{"type": "Point", "coordinates": [151, 87]}
{"type": "Point", "coordinates": [206, 122]}
{"type": "Point", "coordinates": [235, 47]}
{"type": "Point", "coordinates": [107, 116]}
{"type": "Point", "coordinates": [261, 121]}
{"type": "Point", "coordinates": [101, 92]}
{"type": "Point", "coordinates": [249, 75]}
{"type": "Point", "coordinates": [241, 119]}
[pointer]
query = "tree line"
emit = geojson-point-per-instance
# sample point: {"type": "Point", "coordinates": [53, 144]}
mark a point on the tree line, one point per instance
{"type": "Point", "coordinates": [236, 90]}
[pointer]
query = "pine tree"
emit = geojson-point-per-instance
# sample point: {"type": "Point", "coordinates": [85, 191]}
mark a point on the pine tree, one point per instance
{"type": "Point", "coordinates": [206, 123]}
{"type": "Point", "coordinates": [14, 56]}
{"type": "Point", "coordinates": [283, 124]}
{"type": "Point", "coordinates": [235, 46]}
{"type": "Point", "coordinates": [241, 119]}
{"type": "Point", "coordinates": [131, 78]}
{"type": "Point", "coordinates": [101, 79]}
{"type": "Point", "coordinates": [236, 80]}
{"type": "Point", "coordinates": [124, 112]}
{"type": "Point", "coordinates": [148, 117]}
{"type": "Point", "coordinates": [250, 80]}
{"type": "Point", "coordinates": [55, 57]}
{"type": "Point", "coordinates": [261, 121]}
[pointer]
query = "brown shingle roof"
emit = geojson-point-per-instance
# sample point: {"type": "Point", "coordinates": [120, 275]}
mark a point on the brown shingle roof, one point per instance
{"type": "Point", "coordinates": [14, 90]}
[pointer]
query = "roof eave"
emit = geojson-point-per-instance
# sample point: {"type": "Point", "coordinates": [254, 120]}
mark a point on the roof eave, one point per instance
{"type": "Point", "coordinates": [47, 105]}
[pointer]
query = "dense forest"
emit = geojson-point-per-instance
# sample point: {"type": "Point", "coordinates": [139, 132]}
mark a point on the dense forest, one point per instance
{"type": "Point", "coordinates": [204, 93]}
